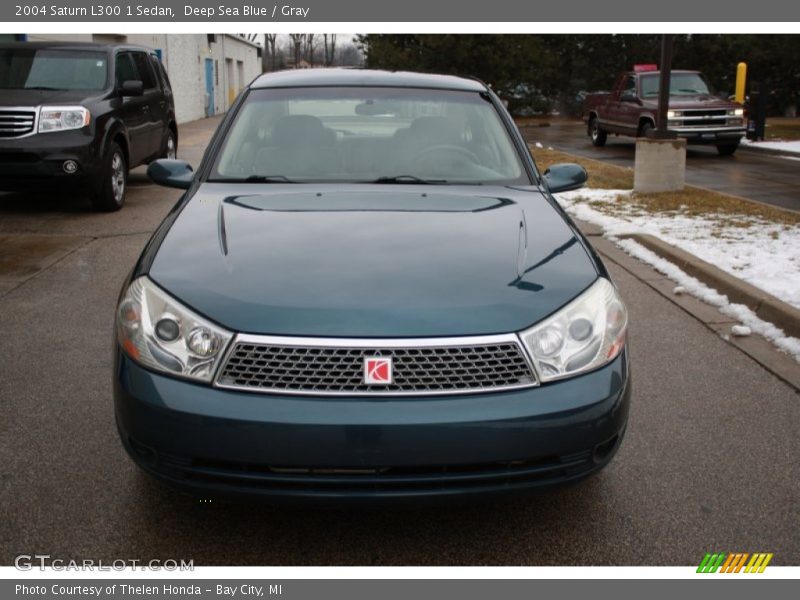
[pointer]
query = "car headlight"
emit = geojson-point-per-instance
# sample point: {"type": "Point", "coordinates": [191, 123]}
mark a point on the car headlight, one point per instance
{"type": "Point", "coordinates": [736, 112]}
{"type": "Point", "coordinates": [587, 333]}
{"type": "Point", "coordinates": [674, 114]}
{"type": "Point", "coordinates": [158, 332]}
{"type": "Point", "coordinates": [62, 118]}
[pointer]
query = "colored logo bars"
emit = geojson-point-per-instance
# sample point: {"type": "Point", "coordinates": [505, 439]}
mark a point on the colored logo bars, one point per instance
{"type": "Point", "coordinates": [734, 562]}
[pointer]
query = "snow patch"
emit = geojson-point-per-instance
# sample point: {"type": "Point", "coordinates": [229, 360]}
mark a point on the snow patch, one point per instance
{"type": "Point", "coordinates": [763, 253]}
{"type": "Point", "coordinates": [741, 330]}
{"type": "Point", "coordinates": [793, 146]}
{"type": "Point", "coordinates": [740, 312]}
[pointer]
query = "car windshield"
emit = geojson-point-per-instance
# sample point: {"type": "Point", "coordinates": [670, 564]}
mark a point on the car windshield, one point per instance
{"type": "Point", "coordinates": [52, 69]}
{"type": "Point", "coordinates": [680, 84]}
{"type": "Point", "coordinates": [362, 134]}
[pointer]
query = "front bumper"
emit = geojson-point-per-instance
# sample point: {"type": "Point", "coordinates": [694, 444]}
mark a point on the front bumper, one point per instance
{"type": "Point", "coordinates": [38, 160]}
{"type": "Point", "coordinates": [710, 135]}
{"type": "Point", "coordinates": [212, 441]}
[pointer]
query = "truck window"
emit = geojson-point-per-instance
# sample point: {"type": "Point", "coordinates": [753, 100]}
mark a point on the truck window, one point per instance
{"type": "Point", "coordinates": [630, 85]}
{"type": "Point", "coordinates": [145, 70]}
{"type": "Point", "coordinates": [124, 70]}
{"type": "Point", "coordinates": [158, 67]}
{"type": "Point", "coordinates": [680, 84]}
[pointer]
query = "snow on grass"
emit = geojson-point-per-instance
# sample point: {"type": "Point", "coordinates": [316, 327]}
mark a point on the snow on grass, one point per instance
{"type": "Point", "coordinates": [740, 312]}
{"type": "Point", "coordinates": [761, 252]}
{"type": "Point", "coordinates": [793, 147]}
{"type": "Point", "coordinates": [764, 253]}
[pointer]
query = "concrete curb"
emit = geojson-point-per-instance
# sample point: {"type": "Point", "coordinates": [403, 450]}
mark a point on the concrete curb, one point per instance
{"type": "Point", "coordinates": [765, 305]}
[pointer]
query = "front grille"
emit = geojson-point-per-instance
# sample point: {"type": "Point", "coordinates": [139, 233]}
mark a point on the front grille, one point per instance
{"type": "Point", "coordinates": [16, 123]}
{"type": "Point", "coordinates": [426, 368]}
{"type": "Point", "coordinates": [704, 117]}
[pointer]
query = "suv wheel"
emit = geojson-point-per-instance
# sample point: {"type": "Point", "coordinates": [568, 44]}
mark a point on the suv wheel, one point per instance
{"type": "Point", "coordinates": [111, 195]}
{"type": "Point", "coordinates": [170, 147]}
{"type": "Point", "coordinates": [596, 133]}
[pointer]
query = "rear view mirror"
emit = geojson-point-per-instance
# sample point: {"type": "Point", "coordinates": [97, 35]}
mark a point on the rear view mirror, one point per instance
{"type": "Point", "coordinates": [628, 97]}
{"type": "Point", "coordinates": [564, 177]}
{"type": "Point", "coordinates": [171, 172]}
{"type": "Point", "coordinates": [132, 87]}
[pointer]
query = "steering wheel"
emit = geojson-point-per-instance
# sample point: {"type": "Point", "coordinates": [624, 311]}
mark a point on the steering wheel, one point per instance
{"type": "Point", "coordinates": [445, 148]}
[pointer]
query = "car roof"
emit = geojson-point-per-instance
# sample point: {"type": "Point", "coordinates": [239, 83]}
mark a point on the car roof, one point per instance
{"type": "Point", "coordinates": [75, 46]}
{"type": "Point", "coordinates": [364, 77]}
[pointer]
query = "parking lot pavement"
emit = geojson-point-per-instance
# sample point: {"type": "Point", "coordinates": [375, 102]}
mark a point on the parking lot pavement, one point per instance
{"type": "Point", "coordinates": [709, 461]}
{"type": "Point", "coordinates": [37, 230]}
{"type": "Point", "coordinates": [770, 179]}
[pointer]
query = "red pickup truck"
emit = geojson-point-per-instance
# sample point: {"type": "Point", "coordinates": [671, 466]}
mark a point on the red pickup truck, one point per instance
{"type": "Point", "coordinates": [695, 113]}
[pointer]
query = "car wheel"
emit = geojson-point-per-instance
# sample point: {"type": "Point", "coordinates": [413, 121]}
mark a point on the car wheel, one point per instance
{"type": "Point", "coordinates": [644, 128]}
{"type": "Point", "coordinates": [111, 195]}
{"type": "Point", "coordinates": [596, 133]}
{"type": "Point", "coordinates": [727, 149]}
{"type": "Point", "coordinates": [170, 147]}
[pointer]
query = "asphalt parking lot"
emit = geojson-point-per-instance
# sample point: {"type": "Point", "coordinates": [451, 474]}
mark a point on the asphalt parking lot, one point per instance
{"type": "Point", "coordinates": [748, 173]}
{"type": "Point", "coordinates": [710, 461]}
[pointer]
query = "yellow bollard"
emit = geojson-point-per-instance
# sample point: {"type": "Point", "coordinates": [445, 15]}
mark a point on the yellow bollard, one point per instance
{"type": "Point", "coordinates": [741, 79]}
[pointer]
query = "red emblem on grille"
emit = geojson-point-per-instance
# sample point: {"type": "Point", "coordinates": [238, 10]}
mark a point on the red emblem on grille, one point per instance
{"type": "Point", "coordinates": [377, 370]}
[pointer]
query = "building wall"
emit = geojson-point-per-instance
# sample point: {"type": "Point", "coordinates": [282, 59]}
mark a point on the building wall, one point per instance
{"type": "Point", "coordinates": [235, 62]}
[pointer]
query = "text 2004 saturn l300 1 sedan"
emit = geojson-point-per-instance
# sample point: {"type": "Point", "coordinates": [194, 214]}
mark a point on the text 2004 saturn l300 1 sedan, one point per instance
{"type": "Point", "coordinates": [367, 292]}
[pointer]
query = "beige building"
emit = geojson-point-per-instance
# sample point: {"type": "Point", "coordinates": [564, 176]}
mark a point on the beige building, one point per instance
{"type": "Point", "coordinates": [207, 71]}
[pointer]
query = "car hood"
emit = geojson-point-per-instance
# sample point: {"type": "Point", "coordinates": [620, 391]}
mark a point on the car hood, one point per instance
{"type": "Point", "coordinates": [371, 261]}
{"type": "Point", "coordinates": [37, 97]}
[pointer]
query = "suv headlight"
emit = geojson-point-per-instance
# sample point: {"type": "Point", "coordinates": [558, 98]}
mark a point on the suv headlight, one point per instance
{"type": "Point", "coordinates": [736, 112]}
{"type": "Point", "coordinates": [158, 332]}
{"type": "Point", "coordinates": [587, 333]}
{"type": "Point", "coordinates": [62, 118]}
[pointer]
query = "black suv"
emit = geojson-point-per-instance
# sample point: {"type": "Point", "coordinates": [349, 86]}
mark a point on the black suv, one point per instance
{"type": "Point", "coordinates": [83, 115]}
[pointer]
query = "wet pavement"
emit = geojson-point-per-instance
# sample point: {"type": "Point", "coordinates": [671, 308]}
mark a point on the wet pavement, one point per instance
{"type": "Point", "coordinates": [762, 177]}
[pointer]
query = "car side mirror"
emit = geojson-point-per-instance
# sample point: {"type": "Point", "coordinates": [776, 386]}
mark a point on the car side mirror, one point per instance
{"type": "Point", "coordinates": [564, 177]}
{"type": "Point", "coordinates": [171, 172]}
{"type": "Point", "coordinates": [132, 87]}
{"type": "Point", "coordinates": [628, 97]}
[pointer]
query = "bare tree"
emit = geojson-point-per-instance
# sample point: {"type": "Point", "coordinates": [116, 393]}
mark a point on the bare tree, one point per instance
{"type": "Point", "coordinates": [330, 50]}
{"type": "Point", "coordinates": [309, 48]}
{"type": "Point", "coordinates": [297, 43]}
{"type": "Point", "coordinates": [269, 58]}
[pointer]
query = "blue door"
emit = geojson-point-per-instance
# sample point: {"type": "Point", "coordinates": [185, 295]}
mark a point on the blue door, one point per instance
{"type": "Point", "coordinates": [209, 87]}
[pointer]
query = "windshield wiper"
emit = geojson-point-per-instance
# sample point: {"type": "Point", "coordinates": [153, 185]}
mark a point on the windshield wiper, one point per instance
{"type": "Point", "coordinates": [267, 179]}
{"type": "Point", "coordinates": [407, 179]}
{"type": "Point", "coordinates": [42, 87]}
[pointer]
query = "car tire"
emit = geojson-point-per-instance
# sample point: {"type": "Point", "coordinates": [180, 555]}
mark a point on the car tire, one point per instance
{"type": "Point", "coordinates": [114, 183]}
{"type": "Point", "coordinates": [170, 146]}
{"type": "Point", "coordinates": [597, 134]}
{"type": "Point", "coordinates": [644, 128]}
{"type": "Point", "coordinates": [727, 149]}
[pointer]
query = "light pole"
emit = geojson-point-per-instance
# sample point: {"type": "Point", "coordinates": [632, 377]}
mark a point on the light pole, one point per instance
{"type": "Point", "coordinates": [665, 70]}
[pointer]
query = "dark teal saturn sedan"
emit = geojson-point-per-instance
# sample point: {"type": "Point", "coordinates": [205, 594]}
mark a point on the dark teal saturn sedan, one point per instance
{"type": "Point", "coordinates": [368, 292]}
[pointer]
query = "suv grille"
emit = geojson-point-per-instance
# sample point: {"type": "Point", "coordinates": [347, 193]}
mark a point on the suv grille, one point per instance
{"type": "Point", "coordinates": [420, 368]}
{"type": "Point", "coordinates": [16, 123]}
